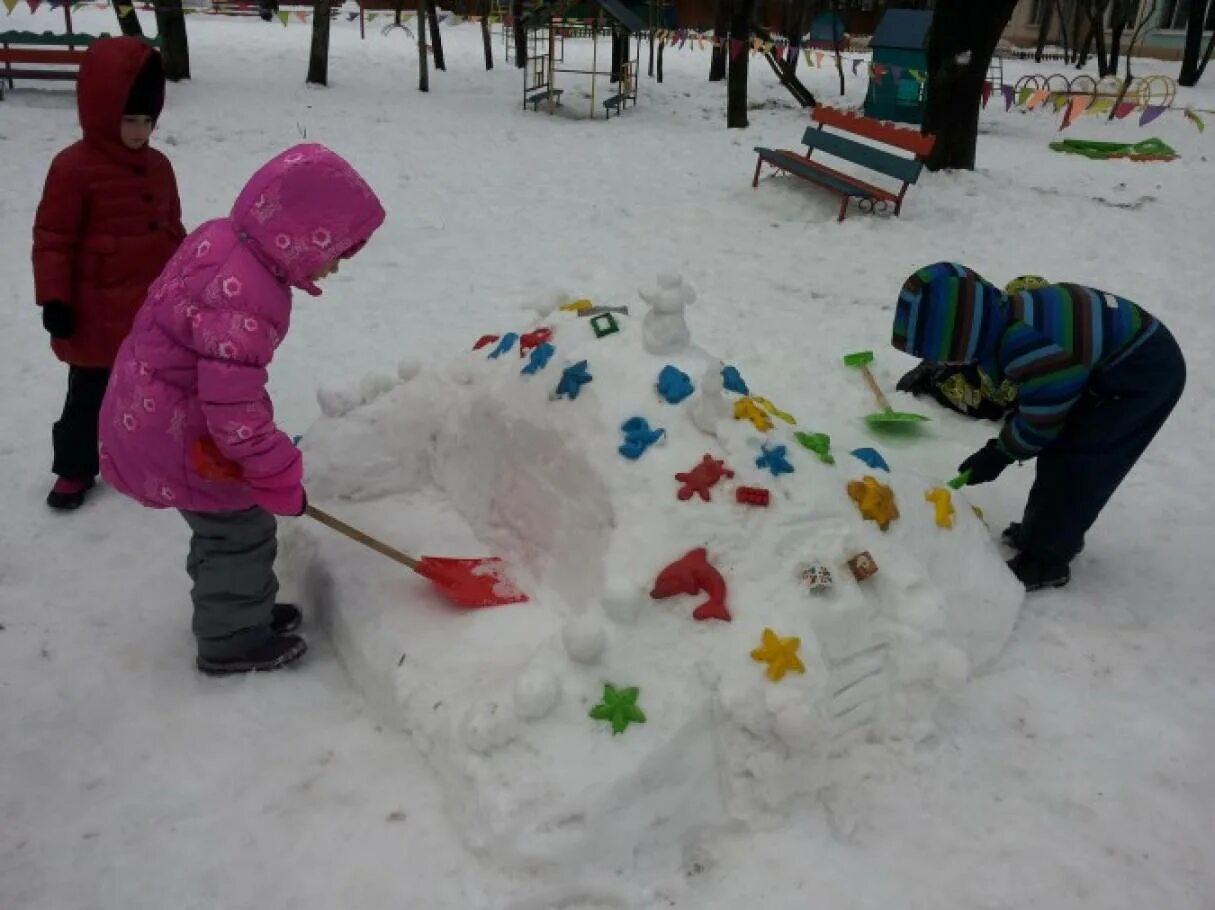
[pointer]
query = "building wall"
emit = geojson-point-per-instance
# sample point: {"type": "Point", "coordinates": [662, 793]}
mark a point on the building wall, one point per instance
{"type": "Point", "coordinates": [1156, 41]}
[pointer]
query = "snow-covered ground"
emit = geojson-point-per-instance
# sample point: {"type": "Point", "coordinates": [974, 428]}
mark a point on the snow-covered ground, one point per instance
{"type": "Point", "coordinates": [1075, 773]}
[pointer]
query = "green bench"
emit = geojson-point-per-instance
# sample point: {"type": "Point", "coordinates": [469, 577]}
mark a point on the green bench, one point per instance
{"type": "Point", "coordinates": [542, 96]}
{"type": "Point", "coordinates": [869, 196]}
{"type": "Point", "coordinates": [46, 56]}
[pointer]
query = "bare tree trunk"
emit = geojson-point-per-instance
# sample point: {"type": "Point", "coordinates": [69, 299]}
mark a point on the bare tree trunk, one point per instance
{"type": "Point", "coordinates": [516, 11]}
{"type": "Point", "coordinates": [423, 71]}
{"type": "Point", "coordinates": [1048, 18]}
{"type": "Point", "coordinates": [1191, 69]}
{"type": "Point", "coordinates": [174, 48]}
{"type": "Point", "coordinates": [436, 39]}
{"type": "Point", "coordinates": [736, 86]}
{"type": "Point", "coordinates": [721, 44]}
{"type": "Point", "coordinates": [1118, 23]}
{"type": "Point", "coordinates": [835, 43]}
{"type": "Point", "coordinates": [1077, 23]}
{"type": "Point", "coordinates": [1140, 24]}
{"type": "Point", "coordinates": [661, 46]}
{"type": "Point", "coordinates": [1103, 60]}
{"type": "Point", "coordinates": [485, 36]}
{"type": "Point", "coordinates": [963, 38]}
{"type": "Point", "coordinates": [1067, 45]}
{"type": "Point", "coordinates": [784, 71]}
{"type": "Point", "coordinates": [128, 22]}
{"type": "Point", "coordinates": [318, 58]}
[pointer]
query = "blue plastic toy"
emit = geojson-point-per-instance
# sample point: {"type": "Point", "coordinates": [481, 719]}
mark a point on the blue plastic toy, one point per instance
{"type": "Point", "coordinates": [871, 458]}
{"type": "Point", "coordinates": [541, 355]}
{"type": "Point", "coordinates": [638, 437]}
{"type": "Point", "coordinates": [573, 378]}
{"type": "Point", "coordinates": [674, 384]}
{"type": "Point", "coordinates": [733, 381]}
{"type": "Point", "coordinates": [774, 460]}
{"type": "Point", "coordinates": [505, 343]}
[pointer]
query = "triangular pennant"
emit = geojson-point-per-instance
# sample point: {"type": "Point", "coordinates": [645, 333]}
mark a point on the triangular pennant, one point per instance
{"type": "Point", "coordinates": [9, 5]}
{"type": "Point", "coordinates": [33, 5]}
{"type": "Point", "coordinates": [1101, 106]}
{"type": "Point", "coordinates": [371, 17]}
{"type": "Point", "coordinates": [917, 75]}
{"type": "Point", "coordinates": [896, 72]}
{"type": "Point", "coordinates": [1009, 95]}
{"type": "Point", "coordinates": [1150, 113]}
{"type": "Point", "coordinates": [1075, 108]}
{"type": "Point", "coordinates": [757, 44]}
{"type": "Point", "coordinates": [779, 52]}
{"type": "Point", "coordinates": [818, 58]}
{"type": "Point", "coordinates": [856, 64]}
{"type": "Point", "coordinates": [1195, 119]}
{"type": "Point", "coordinates": [125, 11]}
{"type": "Point", "coordinates": [1037, 98]}
{"type": "Point", "coordinates": [300, 14]}
{"type": "Point", "coordinates": [1023, 96]}
{"type": "Point", "coordinates": [1123, 110]}
{"type": "Point", "coordinates": [986, 93]}
{"type": "Point", "coordinates": [1059, 100]}
{"type": "Point", "coordinates": [283, 16]}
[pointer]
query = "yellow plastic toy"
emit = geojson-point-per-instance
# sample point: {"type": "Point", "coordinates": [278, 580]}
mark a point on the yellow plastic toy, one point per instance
{"type": "Point", "coordinates": [747, 409]}
{"type": "Point", "coordinates": [576, 307]}
{"type": "Point", "coordinates": [780, 654]}
{"type": "Point", "coordinates": [943, 503]}
{"type": "Point", "coordinates": [774, 410]}
{"type": "Point", "coordinates": [875, 500]}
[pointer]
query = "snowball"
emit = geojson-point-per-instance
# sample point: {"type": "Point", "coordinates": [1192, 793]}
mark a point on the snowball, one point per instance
{"type": "Point", "coordinates": [622, 600]}
{"type": "Point", "coordinates": [536, 691]}
{"type": "Point", "coordinates": [408, 368]}
{"type": "Point", "coordinates": [487, 726]}
{"type": "Point", "coordinates": [584, 637]}
{"type": "Point", "coordinates": [337, 398]}
{"type": "Point", "coordinates": [374, 385]}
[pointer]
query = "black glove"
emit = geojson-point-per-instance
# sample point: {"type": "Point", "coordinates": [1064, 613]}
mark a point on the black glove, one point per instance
{"type": "Point", "coordinates": [986, 464]}
{"type": "Point", "coordinates": [58, 319]}
{"type": "Point", "coordinates": [917, 381]}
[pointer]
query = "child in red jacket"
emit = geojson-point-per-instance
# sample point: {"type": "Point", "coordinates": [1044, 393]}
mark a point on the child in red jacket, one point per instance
{"type": "Point", "coordinates": [108, 222]}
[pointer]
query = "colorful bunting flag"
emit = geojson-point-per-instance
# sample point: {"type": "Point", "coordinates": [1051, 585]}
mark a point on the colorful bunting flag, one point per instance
{"type": "Point", "coordinates": [818, 58]}
{"type": "Point", "coordinates": [1037, 98]}
{"type": "Point", "coordinates": [1195, 119]}
{"type": "Point", "coordinates": [9, 5]}
{"type": "Point", "coordinates": [917, 76]}
{"type": "Point", "coordinates": [896, 72]}
{"type": "Point", "coordinates": [1123, 110]}
{"type": "Point", "coordinates": [1075, 108]}
{"type": "Point", "coordinates": [33, 5]}
{"type": "Point", "coordinates": [1023, 96]}
{"type": "Point", "coordinates": [1101, 106]}
{"type": "Point", "coordinates": [300, 14]}
{"type": "Point", "coordinates": [1059, 100]}
{"type": "Point", "coordinates": [1009, 95]}
{"type": "Point", "coordinates": [283, 15]}
{"type": "Point", "coordinates": [986, 93]}
{"type": "Point", "coordinates": [125, 11]}
{"type": "Point", "coordinates": [1150, 113]}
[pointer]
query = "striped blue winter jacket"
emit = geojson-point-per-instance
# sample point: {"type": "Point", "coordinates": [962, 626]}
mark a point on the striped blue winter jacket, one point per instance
{"type": "Point", "coordinates": [1048, 342]}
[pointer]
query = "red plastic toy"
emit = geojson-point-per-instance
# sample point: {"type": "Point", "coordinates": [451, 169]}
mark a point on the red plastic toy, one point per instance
{"type": "Point", "coordinates": [529, 340]}
{"type": "Point", "coordinates": [484, 340]}
{"type": "Point", "coordinates": [752, 496]}
{"type": "Point", "coordinates": [692, 574]}
{"type": "Point", "coordinates": [702, 478]}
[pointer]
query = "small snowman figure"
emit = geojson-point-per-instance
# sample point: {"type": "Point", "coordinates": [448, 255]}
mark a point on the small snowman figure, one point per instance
{"type": "Point", "coordinates": [710, 407]}
{"type": "Point", "coordinates": [664, 331]}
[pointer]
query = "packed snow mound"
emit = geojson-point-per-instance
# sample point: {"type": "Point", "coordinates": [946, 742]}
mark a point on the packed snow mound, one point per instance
{"type": "Point", "coordinates": [555, 445]}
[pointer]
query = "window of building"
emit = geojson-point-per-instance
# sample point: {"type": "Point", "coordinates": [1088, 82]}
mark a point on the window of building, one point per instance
{"type": "Point", "coordinates": [1176, 12]}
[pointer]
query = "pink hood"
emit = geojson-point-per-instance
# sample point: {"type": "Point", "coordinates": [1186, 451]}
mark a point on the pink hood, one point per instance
{"type": "Point", "coordinates": [303, 209]}
{"type": "Point", "coordinates": [187, 422]}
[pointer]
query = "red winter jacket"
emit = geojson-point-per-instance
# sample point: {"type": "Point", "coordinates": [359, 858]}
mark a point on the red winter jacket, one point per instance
{"type": "Point", "coordinates": [110, 218]}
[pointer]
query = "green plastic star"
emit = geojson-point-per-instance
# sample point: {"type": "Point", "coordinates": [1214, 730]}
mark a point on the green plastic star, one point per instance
{"type": "Point", "coordinates": [818, 443]}
{"type": "Point", "coordinates": [619, 708]}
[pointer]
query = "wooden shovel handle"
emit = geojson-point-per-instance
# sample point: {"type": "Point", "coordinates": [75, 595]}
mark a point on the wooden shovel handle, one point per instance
{"type": "Point", "coordinates": [875, 388]}
{"type": "Point", "coordinates": [359, 537]}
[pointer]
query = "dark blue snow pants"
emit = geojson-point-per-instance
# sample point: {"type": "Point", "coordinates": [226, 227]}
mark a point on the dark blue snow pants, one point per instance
{"type": "Point", "coordinates": [1127, 401]}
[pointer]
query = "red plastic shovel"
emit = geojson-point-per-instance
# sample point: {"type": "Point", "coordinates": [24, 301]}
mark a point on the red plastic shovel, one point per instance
{"type": "Point", "coordinates": [465, 582]}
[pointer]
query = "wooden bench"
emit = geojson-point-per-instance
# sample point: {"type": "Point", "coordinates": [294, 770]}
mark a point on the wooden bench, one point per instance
{"type": "Point", "coordinates": [618, 102]}
{"type": "Point", "coordinates": [542, 96]}
{"type": "Point", "coordinates": [869, 196]}
{"type": "Point", "coordinates": [46, 56]}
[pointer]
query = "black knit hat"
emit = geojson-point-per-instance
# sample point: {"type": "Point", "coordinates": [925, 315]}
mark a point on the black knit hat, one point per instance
{"type": "Point", "coordinates": [147, 94]}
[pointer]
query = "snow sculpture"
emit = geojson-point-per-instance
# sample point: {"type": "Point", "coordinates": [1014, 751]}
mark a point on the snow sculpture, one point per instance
{"type": "Point", "coordinates": [663, 330]}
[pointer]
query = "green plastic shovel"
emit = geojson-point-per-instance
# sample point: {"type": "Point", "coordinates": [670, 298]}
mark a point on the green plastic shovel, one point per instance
{"type": "Point", "coordinates": [887, 418]}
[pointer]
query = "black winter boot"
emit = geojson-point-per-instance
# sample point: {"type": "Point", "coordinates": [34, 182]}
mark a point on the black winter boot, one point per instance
{"type": "Point", "coordinates": [68, 495]}
{"type": "Point", "coordinates": [1012, 536]}
{"type": "Point", "coordinates": [273, 655]}
{"type": "Point", "coordinates": [285, 618]}
{"type": "Point", "coordinates": [1037, 575]}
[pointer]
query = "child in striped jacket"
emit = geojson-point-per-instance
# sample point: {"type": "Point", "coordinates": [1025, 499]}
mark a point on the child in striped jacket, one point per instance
{"type": "Point", "coordinates": [1096, 377]}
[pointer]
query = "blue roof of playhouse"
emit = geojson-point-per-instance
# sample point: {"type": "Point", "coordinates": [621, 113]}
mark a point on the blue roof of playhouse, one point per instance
{"type": "Point", "coordinates": [903, 29]}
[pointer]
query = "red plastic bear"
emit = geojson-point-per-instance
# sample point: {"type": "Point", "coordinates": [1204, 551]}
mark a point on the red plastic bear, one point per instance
{"type": "Point", "coordinates": [691, 574]}
{"type": "Point", "coordinates": [702, 478]}
{"type": "Point", "coordinates": [529, 340]}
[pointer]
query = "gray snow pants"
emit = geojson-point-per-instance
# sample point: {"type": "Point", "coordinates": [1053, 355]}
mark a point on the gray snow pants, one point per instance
{"type": "Point", "coordinates": [231, 563]}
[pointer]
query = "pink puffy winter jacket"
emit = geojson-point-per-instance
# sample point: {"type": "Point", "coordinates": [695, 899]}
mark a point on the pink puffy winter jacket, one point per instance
{"type": "Point", "coordinates": [187, 423]}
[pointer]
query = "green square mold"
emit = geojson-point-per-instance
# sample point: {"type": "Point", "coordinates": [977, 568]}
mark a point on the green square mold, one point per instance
{"type": "Point", "coordinates": [604, 324]}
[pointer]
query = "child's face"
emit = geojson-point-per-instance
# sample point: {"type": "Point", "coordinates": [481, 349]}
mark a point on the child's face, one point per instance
{"type": "Point", "coordinates": [136, 130]}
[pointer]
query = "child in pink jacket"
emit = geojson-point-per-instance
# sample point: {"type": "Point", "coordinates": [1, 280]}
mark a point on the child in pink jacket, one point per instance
{"type": "Point", "coordinates": [187, 424]}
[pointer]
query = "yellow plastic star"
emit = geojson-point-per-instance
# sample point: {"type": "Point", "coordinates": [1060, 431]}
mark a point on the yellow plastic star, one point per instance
{"type": "Point", "coordinates": [774, 410]}
{"type": "Point", "coordinates": [780, 654]}
{"type": "Point", "coordinates": [943, 503]}
{"type": "Point", "coordinates": [747, 409]}
{"type": "Point", "coordinates": [576, 307]}
{"type": "Point", "coordinates": [875, 500]}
